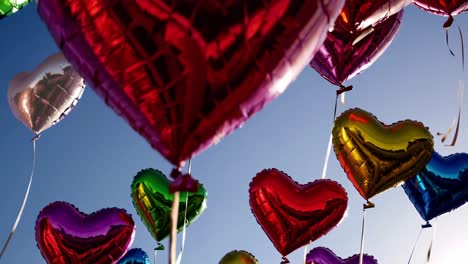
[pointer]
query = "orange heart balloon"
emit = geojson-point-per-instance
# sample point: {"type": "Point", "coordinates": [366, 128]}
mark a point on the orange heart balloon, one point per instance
{"type": "Point", "coordinates": [377, 157]}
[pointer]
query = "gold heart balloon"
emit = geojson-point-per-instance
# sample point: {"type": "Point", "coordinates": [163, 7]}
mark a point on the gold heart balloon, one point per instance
{"type": "Point", "coordinates": [377, 157]}
{"type": "Point", "coordinates": [43, 97]}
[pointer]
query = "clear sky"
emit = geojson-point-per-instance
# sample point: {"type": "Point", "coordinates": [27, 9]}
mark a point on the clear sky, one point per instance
{"type": "Point", "coordinates": [90, 158]}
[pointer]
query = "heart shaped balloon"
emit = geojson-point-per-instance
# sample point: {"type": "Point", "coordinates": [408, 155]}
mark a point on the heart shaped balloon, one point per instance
{"type": "Point", "coordinates": [186, 73]}
{"type": "Point", "coordinates": [347, 52]}
{"type": "Point", "coordinates": [43, 97]}
{"type": "Point", "coordinates": [377, 157]}
{"type": "Point", "coordinates": [448, 8]}
{"type": "Point", "coordinates": [291, 214]}
{"type": "Point", "coordinates": [135, 256]}
{"type": "Point", "coordinates": [66, 235]}
{"type": "Point", "coordinates": [442, 186]}
{"type": "Point", "coordinates": [321, 255]}
{"type": "Point", "coordinates": [358, 15]}
{"type": "Point", "coordinates": [238, 257]}
{"type": "Point", "coordinates": [153, 200]}
{"type": "Point", "coordinates": [9, 7]}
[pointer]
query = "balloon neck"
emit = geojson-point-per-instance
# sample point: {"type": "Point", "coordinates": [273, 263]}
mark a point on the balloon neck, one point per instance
{"type": "Point", "coordinates": [426, 225]}
{"type": "Point", "coordinates": [36, 137]}
{"type": "Point", "coordinates": [449, 22]}
{"type": "Point", "coordinates": [285, 261]}
{"type": "Point", "coordinates": [343, 89]}
{"type": "Point", "coordinates": [159, 247]}
{"type": "Point", "coordinates": [368, 205]}
{"type": "Point", "coordinates": [184, 183]}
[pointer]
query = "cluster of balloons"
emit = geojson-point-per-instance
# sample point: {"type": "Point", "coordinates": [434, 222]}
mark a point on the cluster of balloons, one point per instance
{"type": "Point", "coordinates": [193, 81]}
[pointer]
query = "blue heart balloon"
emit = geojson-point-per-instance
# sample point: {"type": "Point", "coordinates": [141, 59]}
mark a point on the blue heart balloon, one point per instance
{"type": "Point", "coordinates": [442, 186]}
{"type": "Point", "coordinates": [135, 256]}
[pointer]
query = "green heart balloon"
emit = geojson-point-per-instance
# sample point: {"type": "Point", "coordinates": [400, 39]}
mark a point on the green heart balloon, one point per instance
{"type": "Point", "coordinates": [153, 201]}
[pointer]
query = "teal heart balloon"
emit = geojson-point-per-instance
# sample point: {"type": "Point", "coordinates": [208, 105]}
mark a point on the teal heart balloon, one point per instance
{"type": "Point", "coordinates": [153, 202]}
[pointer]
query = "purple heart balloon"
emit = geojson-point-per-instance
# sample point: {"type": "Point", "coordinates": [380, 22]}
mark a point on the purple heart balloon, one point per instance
{"type": "Point", "coordinates": [321, 255]}
{"type": "Point", "coordinates": [344, 54]}
{"type": "Point", "coordinates": [66, 235]}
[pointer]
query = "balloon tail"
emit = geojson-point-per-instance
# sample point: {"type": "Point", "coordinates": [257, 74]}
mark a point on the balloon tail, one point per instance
{"type": "Point", "coordinates": [429, 250]}
{"type": "Point", "coordinates": [179, 257]}
{"type": "Point", "coordinates": [414, 246]}
{"type": "Point", "coordinates": [25, 199]}
{"type": "Point", "coordinates": [285, 261]}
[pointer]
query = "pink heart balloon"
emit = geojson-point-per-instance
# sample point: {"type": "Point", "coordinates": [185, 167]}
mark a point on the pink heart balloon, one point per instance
{"type": "Point", "coordinates": [344, 54]}
{"type": "Point", "coordinates": [186, 73]}
{"type": "Point", "coordinates": [44, 96]}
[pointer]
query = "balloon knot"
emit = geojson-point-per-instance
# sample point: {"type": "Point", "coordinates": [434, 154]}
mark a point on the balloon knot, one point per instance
{"type": "Point", "coordinates": [36, 137]}
{"type": "Point", "coordinates": [159, 247]}
{"type": "Point", "coordinates": [185, 183]}
{"type": "Point", "coordinates": [285, 261]}
{"type": "Point", "coordinates": [175, 173]}
{"type": "Point", "coordinates": [368, 205]}
{"type": "Point", "coordinates": [426, 225]}
{"type": "Point", "coordinates": [449, 22]}
{"type": "Point", "coordinates": [343, 89]}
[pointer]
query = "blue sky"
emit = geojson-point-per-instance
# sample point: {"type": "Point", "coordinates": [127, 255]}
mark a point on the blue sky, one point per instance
{"type": "Point", "coordinates": [90, 158]}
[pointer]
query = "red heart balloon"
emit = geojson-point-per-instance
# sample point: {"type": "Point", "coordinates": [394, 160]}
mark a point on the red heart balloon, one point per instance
{"type": "Point", "coordinates": [65, 235]}
{"type": "Point", "coordinates": [291, 214]}
{"type": "Point", "coordinates": [186, 73]}
{"type": "Point", "coordinates": [448, 8]}
{"type": "Point", "coordinates": [344, 54]}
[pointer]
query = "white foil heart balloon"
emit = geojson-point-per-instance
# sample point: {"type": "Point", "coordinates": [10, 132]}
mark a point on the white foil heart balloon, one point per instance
{"type": "Point", "coordinates": [43, 97]}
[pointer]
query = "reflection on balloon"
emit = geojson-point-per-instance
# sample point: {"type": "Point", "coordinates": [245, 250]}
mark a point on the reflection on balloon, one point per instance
{"type": "Point", "coordinates": [66, 235]}
{"type": "Point", "coordinates": [238, 257]}
{"type": "Point", "coordinates": [448, 8]}
{"type": "Point", "coordinates": [135, 256]}
{"type": "Point", "coordinates": [184, 91]}
{"type": "Point", "coordinates": [321, 255]}
{"type": "Point", "coordinates": [43, 97]}
{"type": "Point", "coordinates": [442, 186]}
{"type": "Point", "coordinates": [291, 214]}
{"type": "Point", "coordinates": [376, 156]}
{"type": "Point", "coordinates": [347, 51]}
{"type": "Point", "coordinates": [152, 201]}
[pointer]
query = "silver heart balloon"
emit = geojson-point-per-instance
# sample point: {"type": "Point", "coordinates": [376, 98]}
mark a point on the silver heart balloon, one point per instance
{"type": "Point", "coordinates": [44, 96]}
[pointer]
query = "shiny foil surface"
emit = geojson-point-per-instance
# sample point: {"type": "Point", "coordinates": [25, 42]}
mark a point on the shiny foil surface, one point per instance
{"type": "Point", "coordinates": [442, 186]}
{"type": "Point", "coordinates": [153, 200]}
{"type": "Point", "coordinates": [348, 51]}
{"type": "Point", "coordinates": [186, 73]}
{"type": "Point", "coordinates": [44, 96]}
{"type": "Point", "coordinates": [65, 235]}
{"type": "Point", "coordinates": [238, 257]}
{"type": "Point", "coordinates": [321, 255]}
{"type": "Point", "coordinates": [291, 214]}
{"type": "Point", "coordinates": [442, 7]}
{"type": "Point", "coordinates": [135, 256]}
{"type": "Point", "coordinates": [375, 156]}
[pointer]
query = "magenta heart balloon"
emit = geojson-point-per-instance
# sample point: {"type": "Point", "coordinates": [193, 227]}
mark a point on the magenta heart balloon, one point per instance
{"type": "Point", "coordinates": [65, 235]}
{"type": "Point", "coordinates": [344, 54]}
{"type": "Point", "coordinates": [321, 255]}
{"type": "Point", "coordinates": [186, 73]}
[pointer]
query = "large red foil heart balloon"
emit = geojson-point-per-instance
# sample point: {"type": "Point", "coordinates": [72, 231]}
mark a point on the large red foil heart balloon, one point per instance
{"type": "Point", "coordinates": [186, 73]}
{"type": "Point", "coordinates": [291, 214]}
{"type": "Point", "coordinates": [67, 236]}
{"type": "Point", "coordinates": [345, 53]}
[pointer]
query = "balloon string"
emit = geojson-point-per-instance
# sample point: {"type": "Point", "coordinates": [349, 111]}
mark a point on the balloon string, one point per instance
{"type": "Point", "coordinates": [362, 235]}
{"type": "Point", "coordinates": [306, 248]}
{"type": "Point", "coordinates": [414, 246]}
{"type": "Point", "coordinates": [25, 199]}
{"type": "Point", "coordinates": [179, 257]}
{"type": "Point", "coordinates": [174, 219]}
{"type": "Point", "coordinates": [455, 137]}
{"type": "Point", "coordinates": [429, 251]}
{"type": "Point", "coordinates": [447, 28]}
